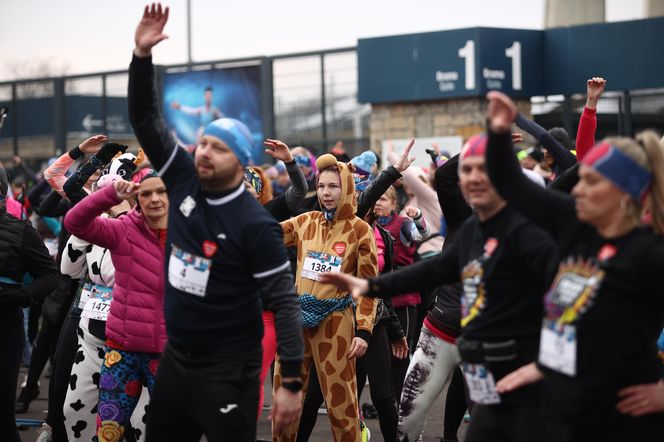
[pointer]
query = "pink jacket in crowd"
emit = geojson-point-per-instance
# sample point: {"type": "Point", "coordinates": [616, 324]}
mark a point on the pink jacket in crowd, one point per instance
{"type": "Point", "coordinates": [136, 320]}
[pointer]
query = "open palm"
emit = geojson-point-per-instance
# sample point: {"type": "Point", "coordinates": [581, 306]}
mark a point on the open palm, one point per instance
{"type": "Point", "coordinates": [150, 29]}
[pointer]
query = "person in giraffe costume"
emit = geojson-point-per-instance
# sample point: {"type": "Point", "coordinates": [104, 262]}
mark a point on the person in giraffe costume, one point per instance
{"type": "Point", "coordinates": [332, 240]}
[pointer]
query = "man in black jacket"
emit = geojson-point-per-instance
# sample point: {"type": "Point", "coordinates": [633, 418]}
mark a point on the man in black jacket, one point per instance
{"type": "Point", "coordinates": [21, 251]}
{"type": "Point", "coordinates": [225, 262]}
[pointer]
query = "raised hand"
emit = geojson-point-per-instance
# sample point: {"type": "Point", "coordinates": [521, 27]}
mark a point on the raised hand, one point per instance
{"type": "Point", "coordinates": [150, 29]}
{"type": "Point", "coordinates": [357, 287]}
{"type": "Point", "coordinates": [126, 189]}
{"type": "Point", "coordinates": [92, 145]}
{"type": "Point", "coordinates": [502, 111]}
{"type": "Point", "coordinates": [278, 150]}
{"type": "Point", "coordinates": [595, 87]}
{"type": "Point", "coordinates": [404, 161]}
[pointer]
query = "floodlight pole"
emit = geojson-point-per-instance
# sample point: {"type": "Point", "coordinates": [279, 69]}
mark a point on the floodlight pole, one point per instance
{"type": "Point", "coordinates": [189, 31]}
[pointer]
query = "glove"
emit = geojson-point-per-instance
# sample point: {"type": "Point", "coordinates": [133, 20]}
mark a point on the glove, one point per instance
{"type": "Point", "coordinates": [109, 150]}
{"type": "Point", "coordinates": [14, 296]}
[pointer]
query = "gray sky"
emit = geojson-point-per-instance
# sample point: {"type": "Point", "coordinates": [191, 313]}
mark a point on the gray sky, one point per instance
{"type": "Point", "coordinates": [81, 36]}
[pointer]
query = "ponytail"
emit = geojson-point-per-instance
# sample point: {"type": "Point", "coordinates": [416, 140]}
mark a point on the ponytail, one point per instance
{"type": "Point", "coordinates": [649, 140]}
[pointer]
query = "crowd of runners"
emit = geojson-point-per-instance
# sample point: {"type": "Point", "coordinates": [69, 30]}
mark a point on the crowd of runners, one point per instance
{"type": "Point", "coordinates": [164, 286]}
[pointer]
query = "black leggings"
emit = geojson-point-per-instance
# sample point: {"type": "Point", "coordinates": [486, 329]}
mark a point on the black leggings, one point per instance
{"type": "Point", "coordinates": [11, 341]}
{"type": "Point", "coordinates": [375, 365]}
{"type": "Point", "coordinates": [63, 360]}
{"type": "Point", "coordinates": [505, 423]}
{"type": "Point", "coordinates": [455, 405]}
{"type": "Point", "coordinates": [44, 348]}
{"type": "Point", "coordinates": [408, 318]}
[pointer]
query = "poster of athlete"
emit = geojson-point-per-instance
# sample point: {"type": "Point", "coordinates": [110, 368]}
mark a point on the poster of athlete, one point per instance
{"type": "Point", "coordinates": [195, 98]}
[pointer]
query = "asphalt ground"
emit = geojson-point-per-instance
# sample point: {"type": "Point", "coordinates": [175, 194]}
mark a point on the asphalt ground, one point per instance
{"type": "Point", "coordinates": [433, 429]}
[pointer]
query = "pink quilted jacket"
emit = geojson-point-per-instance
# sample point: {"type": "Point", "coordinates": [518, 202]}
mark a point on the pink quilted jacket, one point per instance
{"type": "Point", "coordinates": [136, 320]}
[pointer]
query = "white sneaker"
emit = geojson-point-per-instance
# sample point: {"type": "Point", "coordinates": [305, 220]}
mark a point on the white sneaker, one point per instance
{"type": "Point", "coordinates": [45, 434]}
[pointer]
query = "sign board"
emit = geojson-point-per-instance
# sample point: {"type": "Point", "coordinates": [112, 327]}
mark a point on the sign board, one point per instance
{"type": "Point", "coordinates": [451, 145]}
{"type": "Point", "coordinates": [449, 64]}
{"type": "Point", "coordinates": [520, 63]}
{"type": "Point", "coordinates": [193, 99]}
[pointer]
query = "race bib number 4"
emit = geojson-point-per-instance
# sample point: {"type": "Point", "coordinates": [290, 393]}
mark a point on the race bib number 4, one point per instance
{"type": "Point", "coordinates": [316, 263]}
{"type": "Point", "coordinates": [187, 272]}
{"type": "Point", "coordinates": [98, 304]}
{"type": "Point", "coordinates": [558, 348]}
{"type": "Point", "coordinates": [481, 385]}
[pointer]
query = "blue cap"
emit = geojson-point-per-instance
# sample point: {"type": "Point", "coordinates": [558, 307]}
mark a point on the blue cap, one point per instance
{"type": "Point", "coordinates": [236, 136]}
{"type": "Point", "coordinates": [364, 161]}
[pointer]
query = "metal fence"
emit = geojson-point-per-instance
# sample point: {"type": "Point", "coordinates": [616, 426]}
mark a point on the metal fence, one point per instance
{"type": "Point", "coordinates": [618, 113]}
{"type": "Point", "coordinates": [309, 99]}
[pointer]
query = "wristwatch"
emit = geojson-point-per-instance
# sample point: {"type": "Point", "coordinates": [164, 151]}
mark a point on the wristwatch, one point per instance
{"type": "Point", "coordinates": [292, 386]}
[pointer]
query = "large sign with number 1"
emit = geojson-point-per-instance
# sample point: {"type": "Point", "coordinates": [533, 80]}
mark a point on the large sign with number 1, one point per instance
{"type": "Point", "coordinates": [460, 63]}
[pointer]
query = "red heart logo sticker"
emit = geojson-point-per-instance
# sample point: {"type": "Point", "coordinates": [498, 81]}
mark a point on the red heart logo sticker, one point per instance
{"type": "Point", "coordinates": [490, 246]}
{"type": "Point", "coordinates": [340, 248]}
{"type": "Point", "coordinates": [209, 248]}
{"type": "Point", "coordinates": [607, 252]}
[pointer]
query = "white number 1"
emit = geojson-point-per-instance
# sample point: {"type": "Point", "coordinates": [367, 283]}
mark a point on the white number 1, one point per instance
{"type": "Point", "coordinates": [514, 52]}
{"type": "Point", "coordinates": [468, 53]}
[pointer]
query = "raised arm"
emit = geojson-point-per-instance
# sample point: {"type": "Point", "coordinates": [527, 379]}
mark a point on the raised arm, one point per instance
{"type": "Point", "coordinates": [452, 203]}
{"type": "Point", "coordinates": [549, 209]}
{"type": "Point", "coordinates": [564, 158]}
{"type": "Point", "coordinates": [145, 118]}
{"type": "Point", "coordinates": [55, 174]}
{"type": "Point", "coordinates": [383, 181]}
{"type": "Point", "coordinates": [585, 135]}
{"type": "Point", "coordinates": [299, 187]}
{"type": "Point", "coordinates": [74, 186]}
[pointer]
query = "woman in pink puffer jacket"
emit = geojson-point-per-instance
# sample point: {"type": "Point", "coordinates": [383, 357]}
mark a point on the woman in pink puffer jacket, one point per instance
{"type": "Point", "coordinates": [135, 329]}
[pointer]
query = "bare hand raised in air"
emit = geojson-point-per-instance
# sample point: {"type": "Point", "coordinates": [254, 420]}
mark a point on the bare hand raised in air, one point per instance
{"type": "Point", "coordinates": [595, 87]}
{"type": "Point", "coordinates": [404, 160]}
{"type": "Point", "coordinates": [502, 111]}
{"type": "Point", "coordinates": [150, 29]}
{"type": "Point", "coordinates": [278, 150]}
{"type": "Point", "coordinates": [92, 145]}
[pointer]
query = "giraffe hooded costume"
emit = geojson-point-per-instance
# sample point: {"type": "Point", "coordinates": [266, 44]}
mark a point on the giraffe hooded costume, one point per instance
{"type": "Point", "coordinates": [347, 244]}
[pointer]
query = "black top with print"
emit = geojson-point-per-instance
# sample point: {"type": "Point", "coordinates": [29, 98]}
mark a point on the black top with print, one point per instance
{"type": "Point", "coordinates": [618, 322]}
{"type": "Point", "coordinates": [505, 265]}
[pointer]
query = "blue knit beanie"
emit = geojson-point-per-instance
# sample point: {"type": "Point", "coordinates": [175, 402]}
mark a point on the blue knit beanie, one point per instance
{"type": "Point", "coordinates": [364, 162]}
{"type": "Point", "coordinates": [236, 136]}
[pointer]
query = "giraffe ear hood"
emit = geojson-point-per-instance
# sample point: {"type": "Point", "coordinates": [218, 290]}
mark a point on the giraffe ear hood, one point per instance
{"type": "Point", "coordinates": [347, 202]}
